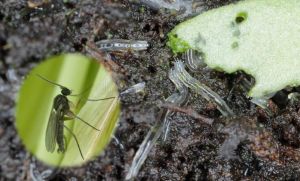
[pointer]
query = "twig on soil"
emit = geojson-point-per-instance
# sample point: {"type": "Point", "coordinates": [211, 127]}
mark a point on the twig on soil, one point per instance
{"type": "Point", "coordinates": [188, 111]}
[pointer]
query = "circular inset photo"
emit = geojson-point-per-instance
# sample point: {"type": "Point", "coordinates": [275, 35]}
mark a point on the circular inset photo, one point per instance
{"type": "Point", "coordinates": [67, 110]}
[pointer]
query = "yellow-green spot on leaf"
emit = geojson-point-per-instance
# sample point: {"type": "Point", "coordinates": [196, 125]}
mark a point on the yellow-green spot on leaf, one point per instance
{"type": "Point", "coordinates": [83, 76]}
{"type": "Point", "coordinates": [267, 45]}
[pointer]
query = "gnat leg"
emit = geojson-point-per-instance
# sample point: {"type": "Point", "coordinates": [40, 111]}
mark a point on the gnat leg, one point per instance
{"type": "Point", "coordinates": [102, 99]}
{"type": "Point", "coordinates": [70, 114]}
{"type": "Point", "coordinates": [75, 140]}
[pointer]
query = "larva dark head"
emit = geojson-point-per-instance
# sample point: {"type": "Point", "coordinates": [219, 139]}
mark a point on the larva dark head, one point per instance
{"type": "Point", "coordinates": [65, 91]}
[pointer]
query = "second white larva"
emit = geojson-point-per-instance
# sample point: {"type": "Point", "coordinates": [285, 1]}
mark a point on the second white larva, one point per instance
{"type": "Point", "coordinates": [122, 45]}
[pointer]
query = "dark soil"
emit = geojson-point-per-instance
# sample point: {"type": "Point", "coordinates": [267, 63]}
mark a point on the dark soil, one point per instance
{"type": "Point", "coordinates": [252, 146]}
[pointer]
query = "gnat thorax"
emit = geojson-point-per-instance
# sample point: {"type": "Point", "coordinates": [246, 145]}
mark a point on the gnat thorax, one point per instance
{"type": "Point", "coordinates": [65, 91]}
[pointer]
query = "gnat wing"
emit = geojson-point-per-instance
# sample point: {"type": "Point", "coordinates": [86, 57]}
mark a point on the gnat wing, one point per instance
{"type": "Point", "coordinates": [51, 132]}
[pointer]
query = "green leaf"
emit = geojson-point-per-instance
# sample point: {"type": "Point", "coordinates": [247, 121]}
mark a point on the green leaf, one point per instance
{"type": "Point", "coordinates": [35, 101]}
{"type": "Point", "coordinates": [176, 44]}
{"type": "Point", "coordinates": [261, 38]}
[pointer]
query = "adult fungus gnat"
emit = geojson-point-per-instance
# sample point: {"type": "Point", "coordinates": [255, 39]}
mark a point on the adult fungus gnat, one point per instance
{"type": "Point", "coordinates": [42, 111]}
{"type": "Point", "coordinates": [61, 112]}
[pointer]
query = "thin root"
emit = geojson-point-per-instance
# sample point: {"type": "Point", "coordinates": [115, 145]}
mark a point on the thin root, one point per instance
{"type": "Point", "coordinates": [188, 111]}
